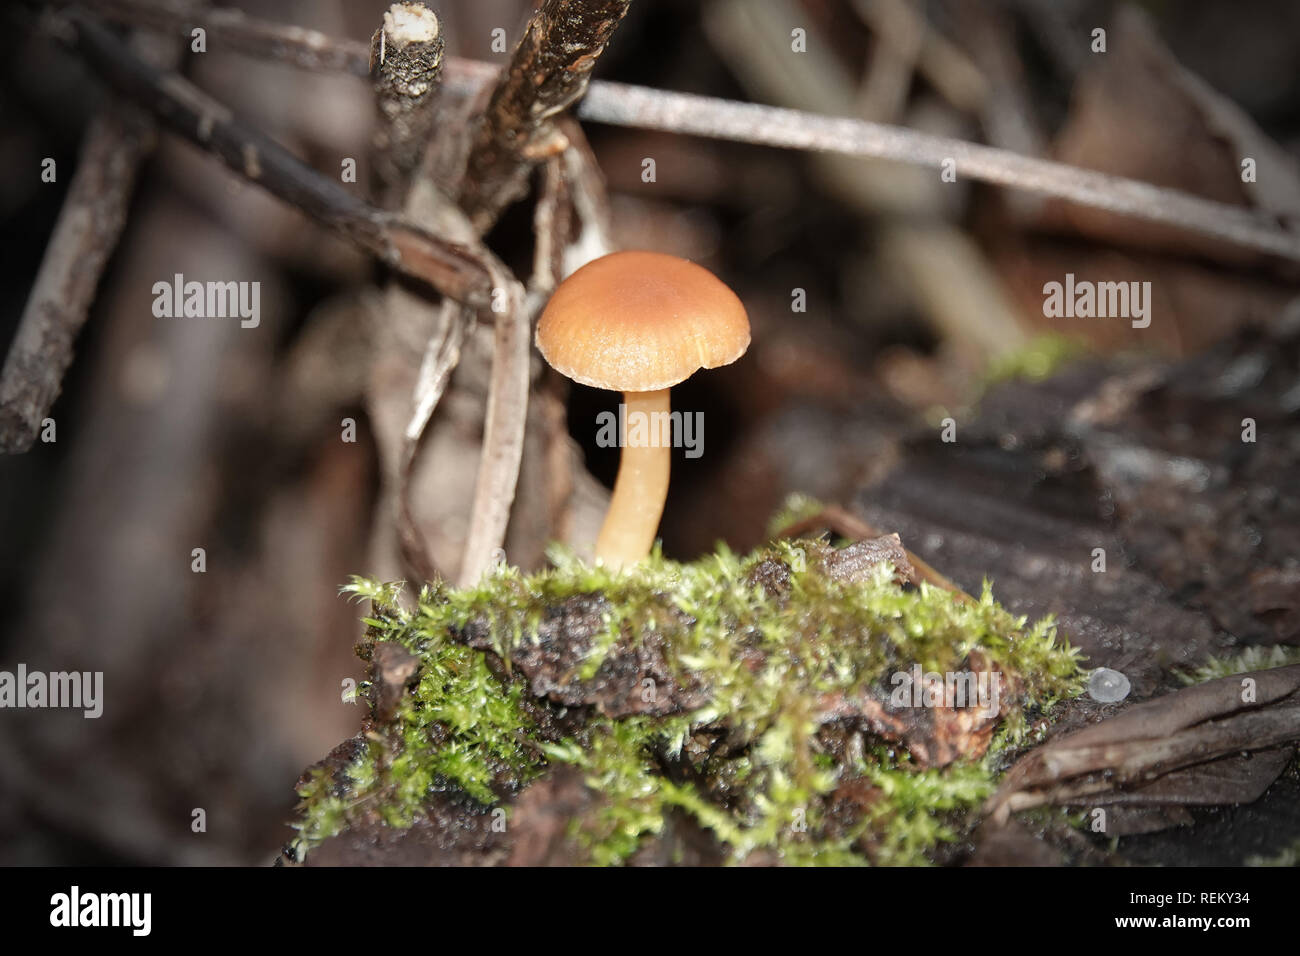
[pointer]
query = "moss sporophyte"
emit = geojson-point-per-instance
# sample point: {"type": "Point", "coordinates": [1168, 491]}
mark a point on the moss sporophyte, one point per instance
{"type": "Point", "coordinates": [755, 699]}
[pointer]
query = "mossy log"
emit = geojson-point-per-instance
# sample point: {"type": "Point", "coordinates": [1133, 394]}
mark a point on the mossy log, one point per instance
{"type": "Point", "coordinates": [801, 704]}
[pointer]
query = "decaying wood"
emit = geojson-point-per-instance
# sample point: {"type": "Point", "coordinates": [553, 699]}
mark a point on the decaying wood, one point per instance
{"type": "Point", "coordinates": [1130, 752]}
{"type": "Point", "coordinates": [1146, 463]}
{"type": "Point", "coordinates": [845, 524]}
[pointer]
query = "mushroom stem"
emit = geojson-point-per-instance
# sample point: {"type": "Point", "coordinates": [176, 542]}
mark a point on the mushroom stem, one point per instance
{"type": "Point", "coordinates": [641, 487]}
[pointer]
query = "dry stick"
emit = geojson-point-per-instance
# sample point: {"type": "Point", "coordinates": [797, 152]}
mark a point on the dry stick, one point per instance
{"type": "Point", "coordinates": [503, 437]}
{"type": "Point", "coordinates": [551, 230]}
{"type": "Point", "coordinates": [441, 356]}
{"type": "Point", "coordinates": [405, 62]}
{"type": "Point", "coordinates": [85, 235]}
{"type": "Point", "coordinates": [592, 231]}
{"type": "Point", "coordinates": [405, 66]}
{"type": "Point", "coordinates": [623, 105]}
{"type": "Point", "coordinates": [1135, 762]}
{"type": "Point", "coordinates": [454, 270]}
{"type": "Point", "coordinates": [619, 104]}
{"type": "Point", "coordinates": [549, 71]}
{"type": "Point", "coordinates": [301, 47]}
{"type": "Point", "coordinates": [507, 411]}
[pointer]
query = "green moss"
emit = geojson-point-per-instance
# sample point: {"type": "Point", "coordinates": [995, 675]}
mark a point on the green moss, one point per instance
{"type": "Point", "coordinates": [1288, 856]}
{"type": "Point", "coordinates": [922, 808]}
{"type": "Point", "coordinates": [766, 658]}
{"type": "Point", "coordinates": [1037, 360]}
{"type": "Point", "coordinates": [796, 508]}
{"type": "Point", "coordinates": [1248, 659]}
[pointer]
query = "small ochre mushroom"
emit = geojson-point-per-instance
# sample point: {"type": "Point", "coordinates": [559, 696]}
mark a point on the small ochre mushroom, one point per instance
{"type": "Point", "coordinates": [640, 323]}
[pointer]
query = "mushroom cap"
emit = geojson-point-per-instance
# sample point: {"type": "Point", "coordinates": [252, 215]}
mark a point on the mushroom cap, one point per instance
{"type": "Point", "coordinates": [640, 322]}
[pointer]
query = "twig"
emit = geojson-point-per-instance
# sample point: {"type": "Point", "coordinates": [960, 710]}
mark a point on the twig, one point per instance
{"type": "Point", "coordinates": [294, 46]}
{"type": "Point", "coordinates": [552, 222]}
{"type": "Point", "coordinates": [591, 233]}
{"type": "Point", "coordinates": [464, 272]}
{"type": "Point", "coordinates": [622, 105]}
{"type": "Point", "coordinates": [619, 104]}
{"type": "Point", "coordinates": [84, 238]}
{"type": "Point", "coordinates": [303, 48]}
{"type": "Point", "coordinates": [441, 356]}
{"type": "Point", "coordinates": [548, 72]}
{"type": "Point", "coordinates": [454, 270]}
{"type": "Point", "coordinates": [503, 436]}
{"type": "Point", "coordinates": [945, 65]}
{"type": "Point", "coordinates": [405, 62]}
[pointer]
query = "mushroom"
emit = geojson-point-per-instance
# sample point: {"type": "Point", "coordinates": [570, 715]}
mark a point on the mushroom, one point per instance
{"type": "Point", "coordinates": [640, 323]}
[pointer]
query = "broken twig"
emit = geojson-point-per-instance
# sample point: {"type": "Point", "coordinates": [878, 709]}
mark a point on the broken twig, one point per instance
{"type": "Point", "coordinates": [405, 62]}
{"type": "Point", "coordinates": [548, 73]}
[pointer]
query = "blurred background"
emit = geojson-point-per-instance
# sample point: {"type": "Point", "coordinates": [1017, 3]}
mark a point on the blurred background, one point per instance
{"type": "Point", "coordinates": [179, 434]}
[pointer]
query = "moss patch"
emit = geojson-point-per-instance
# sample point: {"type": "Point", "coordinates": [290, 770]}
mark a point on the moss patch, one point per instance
{"type": "Point", "coordinates": [752, 695]}
{"type": "Point", "coordinates": [1252, 658]}
{"type": "Point", "coordinates": [1037, 360]}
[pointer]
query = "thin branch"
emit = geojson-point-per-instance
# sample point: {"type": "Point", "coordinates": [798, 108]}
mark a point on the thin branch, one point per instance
{"type": "Point", "coordinates": [299, 47]}
{"type": "Point", "coordinates": [453, 269]}
{"type": "Point", "coordinates": [466, 272]}
{"type": "Point", "coordinates": [622, 105]}
{"type": "Point", "coordinates": [441, 356]}
{"type": "Point", "coordinates": [405, 62]}
{"type": "Point", "coordinates": [85, 235]}
{"type": "Point", "coordinates": [548, 73]}
{"type": "Point", "coordinates": [552, 221]}
{"type": "Point", "coordinates": [503, 436]}
{"type": "Point", "coordinates": [619, 104]}
{"type": "Point", "coordinates": [232, 29]}
{"type": "Point", "coordinates": [592, 232]}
